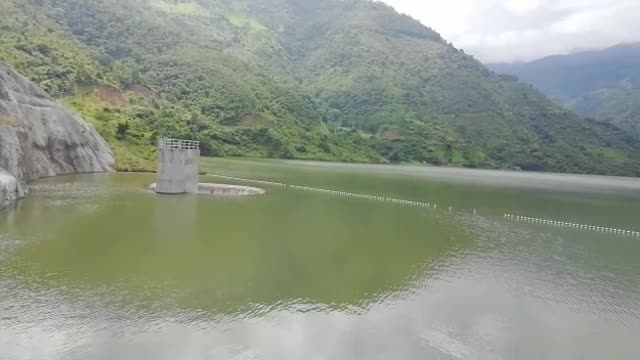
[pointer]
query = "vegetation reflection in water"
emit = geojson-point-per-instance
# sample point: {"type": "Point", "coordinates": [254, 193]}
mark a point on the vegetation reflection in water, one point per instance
{"type": "Point", "coordinates": [344, 277]}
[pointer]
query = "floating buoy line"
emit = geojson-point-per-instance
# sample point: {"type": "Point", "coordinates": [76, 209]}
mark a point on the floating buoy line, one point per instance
{"type": "Point", "coordinates": [340, 193]}
{"type": "Point", "coordinates": [421, 204]}
{"type": "Point", "coordinates": [570, 225]}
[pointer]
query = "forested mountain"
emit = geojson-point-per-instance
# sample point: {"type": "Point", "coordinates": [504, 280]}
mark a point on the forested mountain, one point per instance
{"type": "Point", "coordinates": [347, 80]}
{"type": "Point", "coordinates": [604, 84]}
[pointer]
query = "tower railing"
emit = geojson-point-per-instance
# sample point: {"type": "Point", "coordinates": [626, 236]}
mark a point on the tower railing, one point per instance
{"type": "Point", "coordinates": [177, 144]}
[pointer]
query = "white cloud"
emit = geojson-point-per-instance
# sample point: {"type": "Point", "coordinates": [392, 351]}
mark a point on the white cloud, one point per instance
{"type": "Point", "coordinates": [508, 30]}
{"type": "Point", "coordinates": [522, 7]}
{"type": "Point", "coordinates": [448, 17]}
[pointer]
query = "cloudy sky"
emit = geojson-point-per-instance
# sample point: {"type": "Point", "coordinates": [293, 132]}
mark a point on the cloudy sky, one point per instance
{"type": "Point", "coordinates": [510, 30]}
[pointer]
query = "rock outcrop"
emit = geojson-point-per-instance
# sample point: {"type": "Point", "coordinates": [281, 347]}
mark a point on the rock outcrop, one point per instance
{"type": "Point", "coordinates": [39, 137]}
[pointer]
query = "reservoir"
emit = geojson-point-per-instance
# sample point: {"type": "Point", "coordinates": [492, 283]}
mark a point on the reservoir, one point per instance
{"type": "Point", "coordinates": [334, 261]}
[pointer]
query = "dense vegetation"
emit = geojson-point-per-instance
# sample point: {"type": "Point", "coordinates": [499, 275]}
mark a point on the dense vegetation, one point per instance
{"type": "Point", "coordinates": [332, 80]}
{"type": "Point", "coordinates": [604, 84]}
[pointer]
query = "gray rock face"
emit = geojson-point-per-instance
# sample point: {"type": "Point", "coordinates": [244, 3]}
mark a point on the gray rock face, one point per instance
{"type": "Point", "coordinates": [40, 138]}
{"type": "Point", "coordinates": [11, 189]}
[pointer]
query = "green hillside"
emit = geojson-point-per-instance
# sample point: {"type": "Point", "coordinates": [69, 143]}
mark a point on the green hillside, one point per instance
{"type": "Point", "coordinates": [619, 106]}
{"type": "Point", "coordinates": [603, 84]}
{"type": "Point", "coordinates": [328, 79]}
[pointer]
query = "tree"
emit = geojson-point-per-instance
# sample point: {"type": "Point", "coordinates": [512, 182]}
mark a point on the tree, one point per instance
{"type": "Point", "coordinates": [122, 129]}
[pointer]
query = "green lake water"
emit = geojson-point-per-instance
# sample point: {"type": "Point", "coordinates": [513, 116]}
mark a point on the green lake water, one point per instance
{"type": "Point", "coordinates": [98, 267]}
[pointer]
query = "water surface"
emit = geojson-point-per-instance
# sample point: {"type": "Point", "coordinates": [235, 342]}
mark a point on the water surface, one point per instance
{"type": "Point", "coordinates": [97, 267]}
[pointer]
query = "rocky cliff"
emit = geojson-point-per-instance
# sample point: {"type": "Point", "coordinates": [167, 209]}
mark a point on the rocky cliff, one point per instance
{"type": "Point", "coordinates": [40, 138]}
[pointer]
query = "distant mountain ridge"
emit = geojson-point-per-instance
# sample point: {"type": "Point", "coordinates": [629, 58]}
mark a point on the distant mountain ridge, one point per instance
{"type": "Point", "coordinates": [604, 84]}
{"type": "Point", "coordinates": [348, 80]}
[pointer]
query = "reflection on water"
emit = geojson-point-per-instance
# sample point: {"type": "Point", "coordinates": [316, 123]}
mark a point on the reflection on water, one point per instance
{"type": "Point", "coordinates": [97, 267]}
{"type": "Point", "coordinates": [166, 225]}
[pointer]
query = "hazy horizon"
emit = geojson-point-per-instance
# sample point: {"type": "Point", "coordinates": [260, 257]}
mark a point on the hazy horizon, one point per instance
{"type": "Point", "coordinates": [570, 52]}
{"type": "Point", "coordinates": [522, 30]}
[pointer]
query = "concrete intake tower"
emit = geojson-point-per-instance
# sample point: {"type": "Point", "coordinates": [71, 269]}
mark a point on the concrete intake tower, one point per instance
{"type": "Point", "coordinates": [178, 164]}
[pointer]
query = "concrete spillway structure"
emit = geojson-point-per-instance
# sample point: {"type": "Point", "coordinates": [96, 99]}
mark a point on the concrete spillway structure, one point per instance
{"type": "Point", "coordinates": [178, 163]}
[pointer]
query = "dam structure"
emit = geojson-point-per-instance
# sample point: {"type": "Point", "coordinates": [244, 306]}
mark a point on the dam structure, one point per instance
{"type": "Point", "coordinates": [178, 164]}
